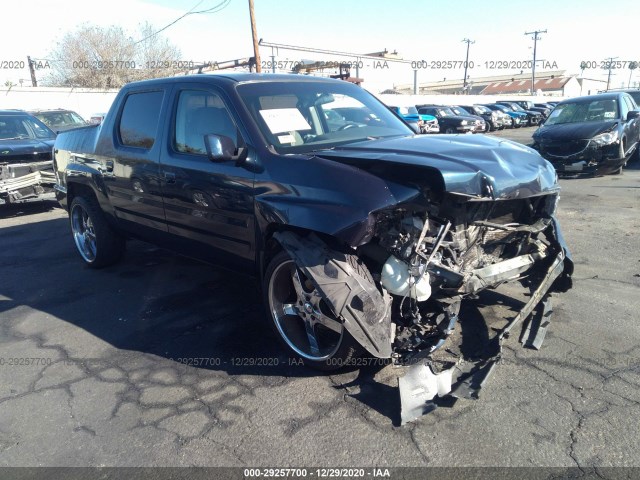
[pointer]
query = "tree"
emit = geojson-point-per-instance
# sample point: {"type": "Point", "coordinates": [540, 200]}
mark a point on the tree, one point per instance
{"type": "Point", "coordinates": [632, 67]}
{"type": "Point", "coordinates": [98, 57]}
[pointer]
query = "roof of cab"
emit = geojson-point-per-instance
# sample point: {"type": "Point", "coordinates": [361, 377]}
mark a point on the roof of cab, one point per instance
{"type": "Point", "coordinates": [234, 78]}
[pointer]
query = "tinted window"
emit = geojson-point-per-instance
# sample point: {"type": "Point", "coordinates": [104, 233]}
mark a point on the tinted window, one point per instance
{"type": "Point", "coordinates": [139, 120]}
{"type": "Point", "coordinates": [201, 113]}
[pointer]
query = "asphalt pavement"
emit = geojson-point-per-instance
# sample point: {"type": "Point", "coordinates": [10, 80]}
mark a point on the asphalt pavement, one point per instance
{"type": "Point", "coordinates": [162, 361]}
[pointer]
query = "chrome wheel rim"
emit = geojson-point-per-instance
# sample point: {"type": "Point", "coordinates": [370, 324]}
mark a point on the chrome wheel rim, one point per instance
{"type": "Point", "coordinates": [301, 316]}
{"type": "Point", "coordinates": [84, 233]}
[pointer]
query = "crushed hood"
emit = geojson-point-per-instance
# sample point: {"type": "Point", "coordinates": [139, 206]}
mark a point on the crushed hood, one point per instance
{"type": "Point", "coordinates": [477, 166]}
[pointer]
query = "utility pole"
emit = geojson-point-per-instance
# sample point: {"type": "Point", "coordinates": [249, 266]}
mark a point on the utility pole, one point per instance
{"type": "Point", "coordinates": [610, 62]}
{"type": "Point", "coordinates": [535, 34]}
{"type": "Point", "coordinates": [466, 65]}
{"type": "Point", "coordinates": [32, 70]}
{"type": "Point", "coordinates": [254, 35]}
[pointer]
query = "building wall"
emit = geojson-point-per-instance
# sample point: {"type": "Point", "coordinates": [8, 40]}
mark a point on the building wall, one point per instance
{"type": "Point", "coordinates": [82, 100]}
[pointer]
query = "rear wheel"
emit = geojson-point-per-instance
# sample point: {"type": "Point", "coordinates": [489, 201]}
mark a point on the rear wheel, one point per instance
{"type": "Point", "coordinates": [302, 320]}
{"type": "Point", "coordinates": [97, 243]}
{"type": "Point", "coordinates": [449, 130]}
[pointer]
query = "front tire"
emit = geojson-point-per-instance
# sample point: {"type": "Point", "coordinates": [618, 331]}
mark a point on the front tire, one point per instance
{"type": "Point", "coordinates": [449, 130]}
{"type": "Point", "coordinates": [97, 243]}
{"type": "Point", "coordinates": [302, 321]}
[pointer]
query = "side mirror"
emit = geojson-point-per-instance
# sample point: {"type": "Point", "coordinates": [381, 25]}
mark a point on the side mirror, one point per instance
{"type": "Point", "coordinates": [633, 114]}
{"type": "Point", "coordinates": [220, 148]}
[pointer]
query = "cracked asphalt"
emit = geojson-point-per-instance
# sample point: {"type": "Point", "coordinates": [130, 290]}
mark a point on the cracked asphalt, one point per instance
{"type": "Point", "coordinates": [162, 361]}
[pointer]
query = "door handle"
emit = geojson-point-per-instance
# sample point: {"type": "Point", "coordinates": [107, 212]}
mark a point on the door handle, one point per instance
{"type": "Point", "coordinates": [170, 177]}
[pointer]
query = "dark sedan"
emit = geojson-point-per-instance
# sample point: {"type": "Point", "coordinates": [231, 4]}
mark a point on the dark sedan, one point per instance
{"type": "Point", "coordinates": [450, 122]}
{"type": "Point", "coordinates": [596, 134]}
{"type": "Point", "coordinates": [481, 124]}
{"type": "Point", "coordinates": [492, 119]}
{"type": "Point", "coordinates": [533, 117]}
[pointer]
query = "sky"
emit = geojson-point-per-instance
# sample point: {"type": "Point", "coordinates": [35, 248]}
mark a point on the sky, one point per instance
{"type": "Point", "coordinates": [585, 30]}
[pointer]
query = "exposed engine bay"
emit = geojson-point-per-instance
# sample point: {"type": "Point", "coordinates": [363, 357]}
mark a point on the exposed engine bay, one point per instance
{"type": "Point", "coordinates": [424, 259]}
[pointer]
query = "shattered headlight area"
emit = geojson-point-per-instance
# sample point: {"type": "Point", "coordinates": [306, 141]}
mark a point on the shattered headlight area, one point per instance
{"type": "Point", "coordinates": [425, 259]}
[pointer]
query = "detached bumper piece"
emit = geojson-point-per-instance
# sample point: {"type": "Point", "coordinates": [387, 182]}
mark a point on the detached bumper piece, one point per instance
{"type": "Point", "coordinates": [21, 181]}
{"type": "Point", "coordinates": [424, 381]}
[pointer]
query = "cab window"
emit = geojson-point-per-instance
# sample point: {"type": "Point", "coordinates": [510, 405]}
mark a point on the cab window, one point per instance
{"type": "Point", "coordinates": [200, 113]}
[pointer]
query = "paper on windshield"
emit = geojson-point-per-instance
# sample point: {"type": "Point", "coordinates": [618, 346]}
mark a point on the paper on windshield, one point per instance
{"type": "Point", "coordinates": [284, 120]}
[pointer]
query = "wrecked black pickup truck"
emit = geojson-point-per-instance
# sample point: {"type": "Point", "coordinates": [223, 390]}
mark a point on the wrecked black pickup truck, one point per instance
{"type": "Point", "coordinates": [366, 237]}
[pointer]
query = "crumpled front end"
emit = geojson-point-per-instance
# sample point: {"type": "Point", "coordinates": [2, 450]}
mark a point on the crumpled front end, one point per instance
{"type": "Point", "coordinates": [425, 257]}
{"type": "Point", "coordinates": [22, 181]}
{"type": "Point", "coordinates": [583, 157]}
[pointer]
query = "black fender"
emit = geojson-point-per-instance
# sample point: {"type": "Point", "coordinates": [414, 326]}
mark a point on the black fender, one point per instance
{"type": "Point", "coordinates": [325, 196]}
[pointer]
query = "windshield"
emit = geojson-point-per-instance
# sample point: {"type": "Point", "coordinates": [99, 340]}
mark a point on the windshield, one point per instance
{"type": "Point", "coordinates": [446, 112]}
{"type": "Point", "coordinates": [589, 111]}
{"type": "Point", "coordinates": [481, 109]}
{"type": "Point", "coordinates": [298, 117]}
{"type": "Point", "coordinates": [459, 111]}
{"type": "Point", "coordinates": [17, 127]}
{"type": "Point", "coordinates": [516, 107]}
{"type": "Point", "coordinates": [57, 120]}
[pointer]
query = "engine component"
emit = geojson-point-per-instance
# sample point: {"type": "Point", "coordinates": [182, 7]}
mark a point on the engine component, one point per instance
{"type": "Point", "coordinates": [398, 280]}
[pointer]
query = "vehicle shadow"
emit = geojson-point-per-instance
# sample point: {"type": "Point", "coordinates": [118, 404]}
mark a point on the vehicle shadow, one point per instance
{"type": "Point", "coordinates": [12, 210]}
{"type": "Point", "coordinates": [183, 316]}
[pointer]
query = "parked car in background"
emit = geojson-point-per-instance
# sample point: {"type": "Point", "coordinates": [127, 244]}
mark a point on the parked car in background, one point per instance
{"type": "Point", "coordinates": [59, 119]}
{"type": "Point", "coordinates": [516, 119]}
{"type": "Point", "coordinates": [530, 106]}
{"type": "Point", "coordinates": [596, 134]}
{"type": "Point", "coordinates": [533, 118]}
{"type": "Point", "coordinates": [462, 112]}
{"type": "Point", "coordinates": [493, 119]}
{"type": "Point", "coordinates": [426, 123]}
{"type": "Point", "coordinates": [545, 105]}
{"type": "Point", "coordinates": [96, 118]}
{"type": "Point", "coordinates": [448, 121]}
{"type": "Point", "coordinates": [25, 156]}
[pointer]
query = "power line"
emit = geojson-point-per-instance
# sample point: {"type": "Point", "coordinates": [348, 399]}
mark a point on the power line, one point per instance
{"type": "Point", "coordinates": [216, 8]}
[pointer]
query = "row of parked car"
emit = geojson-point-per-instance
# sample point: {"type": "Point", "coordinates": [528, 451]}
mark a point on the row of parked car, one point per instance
{"type": "Point", "coordinates": [478, 118]}
{"type": "Point", "coordinates": [594, 134]}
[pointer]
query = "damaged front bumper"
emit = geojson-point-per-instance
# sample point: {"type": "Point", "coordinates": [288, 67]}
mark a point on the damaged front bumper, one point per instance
{"type": "Point", "coordinates": [365, 308]}
{"type": "Point", "coordinates": [583, 158]}
{"type": "Point", "coordinates": [21, 181]}
{"type": "Point", "coordinates": [427, 379]}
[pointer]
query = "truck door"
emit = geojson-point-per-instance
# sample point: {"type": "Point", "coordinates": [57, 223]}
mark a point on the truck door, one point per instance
{"type": "Point", "coordinates": [210, 204]}
{"type": "Point", "coordinates": [132, 168]}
